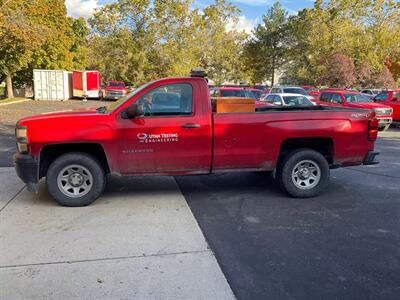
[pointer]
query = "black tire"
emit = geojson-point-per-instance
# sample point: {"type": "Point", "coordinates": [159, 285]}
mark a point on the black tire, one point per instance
{"type": "Point", "coordinates": [88, 162]}
{"type": "Point", "coordinates": [384, 128]}
{"type": "Point", "coordinates": [289, 162]}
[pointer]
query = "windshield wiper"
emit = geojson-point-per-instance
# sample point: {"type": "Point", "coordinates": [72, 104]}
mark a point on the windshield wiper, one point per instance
{"type": "Point", "coordinates": [101, 109]}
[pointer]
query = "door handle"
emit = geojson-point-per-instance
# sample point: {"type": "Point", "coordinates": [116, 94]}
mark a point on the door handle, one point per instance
{"type": "Point", "coordinates": [191, 126]}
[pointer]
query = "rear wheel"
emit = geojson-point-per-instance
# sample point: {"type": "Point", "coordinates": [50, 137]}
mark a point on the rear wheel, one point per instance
{"type": "Point", "coordinates": [303, 173]}
{"type": "Point", "coordinates": [75, 179]}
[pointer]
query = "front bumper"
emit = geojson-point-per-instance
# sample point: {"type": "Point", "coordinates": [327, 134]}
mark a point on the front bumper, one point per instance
{"type": "Point", "coordinates": [27, 169]}
{"type": "Point", "coordinates": [384, 121]}
{"type": "Point", "coordinates": [370, 158]}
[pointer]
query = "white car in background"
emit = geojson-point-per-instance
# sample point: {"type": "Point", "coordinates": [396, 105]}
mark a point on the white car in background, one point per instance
{"type": "Point", "coordinates": [292, 90]}
{"type": "Point", "coordinates": [287, 99]}
{"type": "Point", "coordinates": [370, 93]}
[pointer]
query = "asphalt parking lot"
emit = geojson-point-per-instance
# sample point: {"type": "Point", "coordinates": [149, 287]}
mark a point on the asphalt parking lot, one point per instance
{"type": "Point", "coordinates": [343, 244]}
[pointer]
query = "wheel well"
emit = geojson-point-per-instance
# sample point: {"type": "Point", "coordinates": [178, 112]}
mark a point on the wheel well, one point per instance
{"type": "Point", "coordinates": [320, 144]}
{"type": "Point", "coordinates": [51, 152]}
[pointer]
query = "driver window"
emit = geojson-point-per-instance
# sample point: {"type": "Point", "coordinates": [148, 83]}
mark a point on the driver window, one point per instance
{"type": "Point", "coordinates": [277, 100]}
{"type": "Point", "coordinates": [336, 99]}
{"type": "Point", "coordinates": [166, 100]}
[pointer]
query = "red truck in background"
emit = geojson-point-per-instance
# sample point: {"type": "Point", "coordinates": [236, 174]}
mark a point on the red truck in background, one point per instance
{"type": "Point", "coordinates": [392, 99]}
{"type": "Point", "coordinates": [115, 90]}
{"type": "Point", "coordinates": [311, 90]}
{"type": "Point", "coordinates": [347, 98]}
{"type": "Point", "coordinates": [168, 127]}
{"type": "Point", "coordinates": [86, 84]}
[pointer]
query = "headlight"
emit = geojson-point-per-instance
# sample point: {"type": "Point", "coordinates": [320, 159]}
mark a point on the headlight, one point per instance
{"type": "Point", "coordinates": [21, 133]}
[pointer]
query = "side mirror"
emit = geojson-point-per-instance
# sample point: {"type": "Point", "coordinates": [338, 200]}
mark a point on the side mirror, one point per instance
{"type": "Point", "coordinates": [132, 112]}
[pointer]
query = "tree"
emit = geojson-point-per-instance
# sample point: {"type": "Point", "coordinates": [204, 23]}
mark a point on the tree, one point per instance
{"type": "Point", "coordinates": [270, 40]}
{"type": "Point", "coordinates": [383, 78]}
{"type": "Point", "coordinates": [339, 71]}
{"type": "Point", "coordinates": [139, 40]}
{"type": "Point", "coordinates": [38, 34]}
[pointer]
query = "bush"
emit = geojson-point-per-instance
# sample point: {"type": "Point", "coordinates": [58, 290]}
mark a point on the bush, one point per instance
{"type": "Point", "coordinates": [2, 92]}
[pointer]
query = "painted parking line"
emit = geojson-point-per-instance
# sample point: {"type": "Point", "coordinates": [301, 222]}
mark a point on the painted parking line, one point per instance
{"type": "Point", "coordinates": [140, 240]}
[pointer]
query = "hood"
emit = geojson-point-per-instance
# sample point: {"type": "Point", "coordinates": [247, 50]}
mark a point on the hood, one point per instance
{"type": "Point", "coordinates": [115, 88]}
{"type": "Point", "coordinates": [370, 105]}
{"type": "Point", "coordinates": [60, 114]}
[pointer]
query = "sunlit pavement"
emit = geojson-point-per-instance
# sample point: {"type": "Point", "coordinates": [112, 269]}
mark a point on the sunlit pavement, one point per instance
{"type": "Point", "coordinates": [139, 241]}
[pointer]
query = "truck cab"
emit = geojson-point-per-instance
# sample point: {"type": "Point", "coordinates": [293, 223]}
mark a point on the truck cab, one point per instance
{"type": "Point", "coordinates": [171, 127]}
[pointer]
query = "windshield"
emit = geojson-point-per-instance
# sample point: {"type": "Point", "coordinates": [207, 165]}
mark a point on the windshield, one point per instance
{"type": "Point", "coordinates": [257, 94]}
{"type": "Point", "coordinates": [295, 91]}
{"type": "Point", "coordinates": [114, 105]}
{"type": "Point", "coordinates": [116, 84]}
{"type": "Point", "coordinates": [296, 100]}
{"type": "Point", "coordinates": [311, 89]}
{"type": "Point", "coordinates": [356, 98]}
{"type": "Point", "coordinates": [233, 93]}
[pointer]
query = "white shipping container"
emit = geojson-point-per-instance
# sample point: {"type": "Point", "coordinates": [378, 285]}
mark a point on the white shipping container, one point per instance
{"type": "Point", "coordinates": [52, 84]}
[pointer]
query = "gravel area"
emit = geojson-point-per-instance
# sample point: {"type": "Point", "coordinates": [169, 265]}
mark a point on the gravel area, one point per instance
{"type": "Point", "coordinates": [11, 113]}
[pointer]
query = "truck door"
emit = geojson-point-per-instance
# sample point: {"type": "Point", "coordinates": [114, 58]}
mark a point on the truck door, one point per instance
{"type": "Point", "coordinates": [172, 136]}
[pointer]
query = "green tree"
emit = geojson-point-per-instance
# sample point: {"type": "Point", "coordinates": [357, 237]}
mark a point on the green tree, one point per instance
{"type": "Point", "coordinates": [138, 40]}
{"type": "Point", "coordinates": [38, 34]}
{"type": "Point", "coordinates": [271, 42]}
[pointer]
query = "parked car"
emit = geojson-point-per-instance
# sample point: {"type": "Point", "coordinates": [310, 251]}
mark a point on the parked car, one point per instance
{"type": "Point", "coordinates": [392, 99]}
{"type": "Point", "coordinates": [258, 94]}
{"type": "Point", "coordinates": [86, 84]}
{"type": "Point", "coordinates": [370, 93]}
{"type": "Point", "coordinates": [115, 90]}
{"type": "Point", "coordinates": [233, 92]}
{"type": "Point", "coordinates": [292, 90]}
{"type": "Point", "coordinates": [346, 98]}
{"type": "Point", "coordinates": [168, 127]}
{"type": "Point", "coordinates": [287, 99]}
{"type": "Point", "coordinates": [311, 90]}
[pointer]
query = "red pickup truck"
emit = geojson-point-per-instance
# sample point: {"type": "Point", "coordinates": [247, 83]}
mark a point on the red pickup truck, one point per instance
{"type": "Point", "coordinates": [115, 90]}
{"type": "Point", "coordinates": [168, 127]}
{"type": "Point", "coordinates": [392, 99]}
{"type": "Point", "coordinates": [346, 98]}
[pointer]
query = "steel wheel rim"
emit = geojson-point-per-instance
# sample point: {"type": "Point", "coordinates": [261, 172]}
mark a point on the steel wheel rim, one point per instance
{"type": "Point", "coordinates": [75, 181]}
{"type": "Point", "coordinates": [306, 174]}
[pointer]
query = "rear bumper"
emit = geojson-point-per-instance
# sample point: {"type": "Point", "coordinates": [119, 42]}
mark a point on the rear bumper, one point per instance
{"type": "Point", "coordinates": [27, 169]}
{"type": "Point", "coordinates": [370, 158]}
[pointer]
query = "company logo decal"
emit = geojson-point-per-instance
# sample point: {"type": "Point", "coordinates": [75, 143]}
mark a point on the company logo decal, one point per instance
{"type": "Point", "coordinates": [158, 137]}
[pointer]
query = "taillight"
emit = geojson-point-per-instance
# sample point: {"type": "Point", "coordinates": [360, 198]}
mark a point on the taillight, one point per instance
{"type": "Point", "coordinates": [373, 129]}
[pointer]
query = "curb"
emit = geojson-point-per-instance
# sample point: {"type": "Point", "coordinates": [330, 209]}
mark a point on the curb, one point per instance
{"type": "Point", "coordinates": [18, 101]}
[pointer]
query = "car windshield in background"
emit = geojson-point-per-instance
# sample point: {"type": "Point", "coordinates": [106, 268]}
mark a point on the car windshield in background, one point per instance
{"type": "Point", "coordinates": [296, 100]}
{"type": "Point", "coordinates": [114, 105]}
{"type": "Point", "coordinates": [295, 91]}
{"type": "Point", "coordinates": [356, 98]}
{"type": "Point", "coordinates": [311, 90]}
{"type": "Point", "coordinates": [116, 84]}
{"type": "Point", "coordinates": [257, 94]}
{"type": "Point", "coordinates": [233, 93]}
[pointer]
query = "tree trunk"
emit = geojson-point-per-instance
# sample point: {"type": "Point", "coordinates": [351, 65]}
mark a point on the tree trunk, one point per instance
{"type": "Point", "coordinates": [273, 73]}
{"type": "Point", "coordinates": [10, 93]}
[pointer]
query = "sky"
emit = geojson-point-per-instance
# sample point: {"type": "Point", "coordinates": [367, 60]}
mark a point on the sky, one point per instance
{"type": "Point", "coordinates": [251, 10]}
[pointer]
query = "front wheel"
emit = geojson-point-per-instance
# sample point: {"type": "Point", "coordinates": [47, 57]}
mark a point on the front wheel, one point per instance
{"type": "Point", "coordinates": [75, 179]}
{"type": "Point", "coordinates": [384, 128]}
{"type": "Point", "coordinates": [303, 173]}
